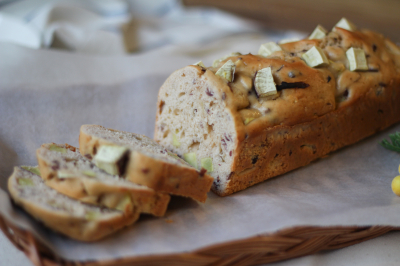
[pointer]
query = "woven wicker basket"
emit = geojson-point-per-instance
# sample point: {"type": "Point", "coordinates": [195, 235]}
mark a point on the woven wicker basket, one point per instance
{"type": "Point", "coordinates": [282, 245]}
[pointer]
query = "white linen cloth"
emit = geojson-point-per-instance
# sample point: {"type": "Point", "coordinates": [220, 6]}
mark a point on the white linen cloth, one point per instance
{"type": "Point", "coordinates": [95, 26]}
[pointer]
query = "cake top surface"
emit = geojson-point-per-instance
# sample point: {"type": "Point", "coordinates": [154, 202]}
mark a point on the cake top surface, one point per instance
{"type": "Point", "coordinates": [305, 91]}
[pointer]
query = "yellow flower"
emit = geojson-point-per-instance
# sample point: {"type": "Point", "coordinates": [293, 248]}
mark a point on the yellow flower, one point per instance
{"type": "Point", "coordinates": [396, 185]}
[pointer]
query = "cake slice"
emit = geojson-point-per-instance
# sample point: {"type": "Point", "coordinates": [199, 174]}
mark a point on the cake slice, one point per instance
{"type": "Point", "coordinates": [143, 161]}
{"type": "Point", "coordinates": [65, 215]}
{"type": "Point", "coordinates": [67, 171]}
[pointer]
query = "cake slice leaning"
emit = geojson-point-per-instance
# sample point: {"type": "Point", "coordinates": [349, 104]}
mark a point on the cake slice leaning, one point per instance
{"type": "Point", "coordinates": [143, 161]}
{"type": "Point", "coordinates": [65, 215]}
{"type": "Point", "coordinates": [67, 171]}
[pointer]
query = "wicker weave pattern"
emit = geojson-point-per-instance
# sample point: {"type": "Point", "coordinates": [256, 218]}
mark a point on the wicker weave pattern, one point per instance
{"type": "Point", "coordinates": [282, 245]}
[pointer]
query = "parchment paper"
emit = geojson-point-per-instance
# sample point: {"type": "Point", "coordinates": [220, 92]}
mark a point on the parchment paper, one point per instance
{"type": "Point", "coordinates": [46, 95]}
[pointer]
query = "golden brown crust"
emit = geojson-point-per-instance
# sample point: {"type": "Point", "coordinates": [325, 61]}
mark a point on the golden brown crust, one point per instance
{"type": "Point", "coordinates": [169, 178]}
{"type": "Point", "coordinates": [283, 148]}
{"type": "Point", "coordinates": [372, 105]}
{"type": "Point", "coordinates": [154, 173]}
{"type": "Point", "coordinates": [75, 227]}
{"type": "Point", "coordinates": [111, 195]}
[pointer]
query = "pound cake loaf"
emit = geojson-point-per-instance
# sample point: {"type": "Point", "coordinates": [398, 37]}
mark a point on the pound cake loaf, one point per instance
{"type": "Point", "coordinates": [252, 117]}
{"type": "Point", "coordinates": [143, 161]}
{"type": "Point", "coordinates": [64, 169]}
{"type": "Point", "coordinates": [61, 213]}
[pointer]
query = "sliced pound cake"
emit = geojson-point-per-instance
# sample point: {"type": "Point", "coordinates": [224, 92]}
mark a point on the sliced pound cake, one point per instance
{"type": "Point", "coordinates": [65, 215]}
{"type": "Point", "coordinates": [143, 161]}
{"type": "Point", "coordinates": [67, 171]}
